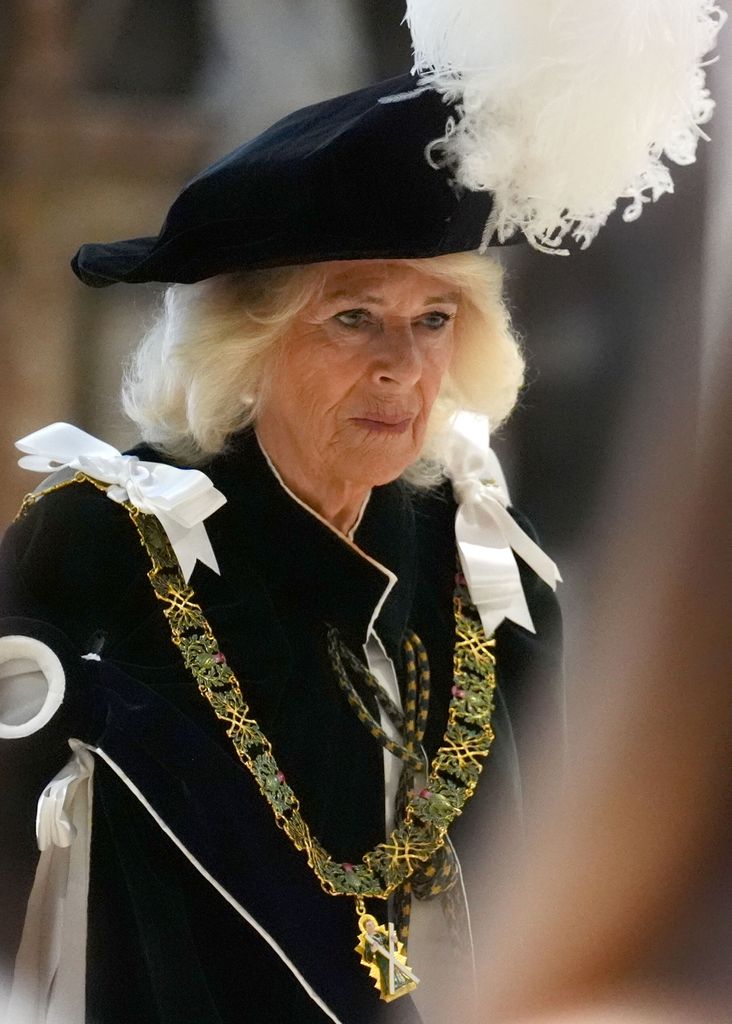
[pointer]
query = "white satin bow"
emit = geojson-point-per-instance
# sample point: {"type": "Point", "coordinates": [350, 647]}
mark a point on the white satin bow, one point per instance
{"type": "Point", "coordinates": [54, 817]}
{"type": "Point", "coordinates": [486, 533]}
{"type": "Point", "coordinates": [180, 498]}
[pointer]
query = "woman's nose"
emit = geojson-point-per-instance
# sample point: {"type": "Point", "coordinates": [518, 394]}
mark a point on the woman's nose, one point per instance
{"type": "Point", "coordinates": [399, 359]}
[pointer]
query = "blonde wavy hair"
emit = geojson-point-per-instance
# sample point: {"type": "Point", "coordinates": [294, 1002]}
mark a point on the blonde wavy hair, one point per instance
{"type": "Point", "coordinates": [200, 373]}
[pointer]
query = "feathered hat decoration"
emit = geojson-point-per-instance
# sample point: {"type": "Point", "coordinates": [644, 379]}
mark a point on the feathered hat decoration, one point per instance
{"type": "Point", "coordinates": [563, 107]}
{"type": "Point", "coordinates": [521, 118]}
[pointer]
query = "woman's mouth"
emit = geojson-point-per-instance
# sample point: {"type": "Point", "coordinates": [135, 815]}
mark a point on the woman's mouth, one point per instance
{"type": "Point", "coordinates": [384, 424]}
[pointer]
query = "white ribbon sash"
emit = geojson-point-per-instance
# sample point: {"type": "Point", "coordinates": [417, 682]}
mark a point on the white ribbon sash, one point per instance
{"type": "Point", "coordinates": [180, 498]}
{"type": "Point", "coordinates": [49, 981]}
{"type": "Point", "coordinates": [487, 535]}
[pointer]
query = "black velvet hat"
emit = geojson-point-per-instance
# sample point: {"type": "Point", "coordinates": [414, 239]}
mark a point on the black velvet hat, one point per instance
{"type": "Point", "coordinates": [344, 179]}
{"type": "Point", "coordinates": [511, 126]}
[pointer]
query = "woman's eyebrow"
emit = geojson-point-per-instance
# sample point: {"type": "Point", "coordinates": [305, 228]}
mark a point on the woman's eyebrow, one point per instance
{"type": "Point", "coordinates": [453, 297]}
{"type": "Point", "coordinates": [352, 296]}
{"type": "Point", "coordinates": [344, 293]}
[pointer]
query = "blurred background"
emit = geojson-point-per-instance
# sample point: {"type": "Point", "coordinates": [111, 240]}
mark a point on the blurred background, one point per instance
{"type": "Point", "coordinates": [108, 106]}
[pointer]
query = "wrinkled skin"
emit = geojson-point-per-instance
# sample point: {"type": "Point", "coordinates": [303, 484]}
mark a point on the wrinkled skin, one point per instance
{"type": "Point", "coordinates": [352, 390]}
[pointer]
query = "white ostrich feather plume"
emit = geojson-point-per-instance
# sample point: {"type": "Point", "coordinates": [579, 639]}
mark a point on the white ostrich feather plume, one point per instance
{"type": "Point", "coordinates": [565, 106]}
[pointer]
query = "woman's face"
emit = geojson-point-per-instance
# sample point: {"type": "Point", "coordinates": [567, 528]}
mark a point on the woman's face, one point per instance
{"type": "Point", "coordinates": [360, 369]}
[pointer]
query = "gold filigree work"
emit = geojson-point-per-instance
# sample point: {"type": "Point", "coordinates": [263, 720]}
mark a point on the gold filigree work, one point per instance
{"type": "Point", "coordinates": [451, 781]}
{"type": "Point", "coordinates": [454, 771]}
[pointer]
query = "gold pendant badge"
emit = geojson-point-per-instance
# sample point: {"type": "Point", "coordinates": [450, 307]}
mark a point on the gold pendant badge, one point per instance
{"type": "Point", "coordinates": [383, 954]}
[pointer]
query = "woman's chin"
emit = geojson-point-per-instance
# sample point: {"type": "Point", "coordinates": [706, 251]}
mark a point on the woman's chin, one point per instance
{"type": "Point", "coordinates": [377, 468]}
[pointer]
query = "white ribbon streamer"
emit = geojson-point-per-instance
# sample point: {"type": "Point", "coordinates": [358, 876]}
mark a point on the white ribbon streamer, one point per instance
{"type": "Point", "coordinates": [487, 535]}
{"type": "Point", "coordinates": [180, 498]}
{"type": "Point", "coordinates": [49, 980]}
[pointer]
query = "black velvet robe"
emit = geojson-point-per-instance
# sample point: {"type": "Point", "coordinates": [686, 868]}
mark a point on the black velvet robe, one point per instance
{"type": "Point", "coordinates": [164, 945]}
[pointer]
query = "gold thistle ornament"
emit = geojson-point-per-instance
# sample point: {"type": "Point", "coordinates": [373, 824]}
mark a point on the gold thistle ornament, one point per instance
{"type": "Point", "coordinates": [383, 954]}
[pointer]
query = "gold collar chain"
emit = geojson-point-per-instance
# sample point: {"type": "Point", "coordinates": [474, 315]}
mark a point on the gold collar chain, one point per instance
{"type": "Point", "coordinates": [454, 771]}
{"type": "Point", "coordinates": [452, 779]}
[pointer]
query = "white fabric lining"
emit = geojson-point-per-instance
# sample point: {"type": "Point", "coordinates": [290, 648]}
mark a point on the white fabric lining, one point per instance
{"type": "Point", "coordinates": [32, 685]}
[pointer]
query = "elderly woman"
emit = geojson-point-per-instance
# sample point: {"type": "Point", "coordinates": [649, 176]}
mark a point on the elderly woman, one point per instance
{"type": "Point", "coordinates": [281, 634]}
{"type": "Point", "coordinates": [316, 399]}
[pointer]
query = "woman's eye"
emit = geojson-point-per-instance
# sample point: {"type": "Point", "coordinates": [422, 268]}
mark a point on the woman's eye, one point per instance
{"type": "Point", "coordinates": [434, 321]}
{"type": "Point", "coordinates": [354, 318]}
